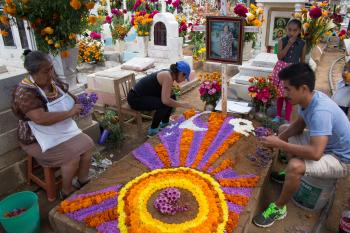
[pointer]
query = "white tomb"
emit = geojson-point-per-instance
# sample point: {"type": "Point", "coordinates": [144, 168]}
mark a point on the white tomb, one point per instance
{"type": "Point", "coordinates": [165, 42]}
{"type": "Point", "coordinates": [260, 66]}
{"type": "Point", "coordinates": [286, 7]}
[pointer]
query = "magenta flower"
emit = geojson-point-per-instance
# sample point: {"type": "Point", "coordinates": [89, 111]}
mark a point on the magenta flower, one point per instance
{"type": "Point", "coordinates": [241, 10]}
{"type": "Point", "coordinates": [169, 2]}
{"type": "Point", "coordinates": [95, 36]}
{"type": "Point", "coordinates": [154, 13]}
{"type": "Point", "coordinates": [116, 12]}
{"type": "Point", "coordinates": [176, 3]}
{"type": "Point", "coordinates": [108, 19]}
{"type": "Point", "coordinates": [315, 12]}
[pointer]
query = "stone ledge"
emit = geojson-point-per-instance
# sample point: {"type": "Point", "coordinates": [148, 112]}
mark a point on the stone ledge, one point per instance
{"type": "Point", "coordinates": [8, 121]}
{"type": "Point", "coordinates": [8, 141]}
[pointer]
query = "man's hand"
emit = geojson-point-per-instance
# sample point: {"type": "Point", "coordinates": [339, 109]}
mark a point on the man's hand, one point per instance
{"type": "Point", "coordinates": [272, 141]}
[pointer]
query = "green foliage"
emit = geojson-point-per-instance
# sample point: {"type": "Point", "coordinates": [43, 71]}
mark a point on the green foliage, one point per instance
{"type": "Point", "coordinates": [96, 27]}
{"type": "Point", "coordinates": [110, 121]}
{"type": "Point", "coordinates": [198, 42]}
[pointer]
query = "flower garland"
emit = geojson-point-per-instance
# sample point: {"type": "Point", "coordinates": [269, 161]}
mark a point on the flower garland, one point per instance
{"type": "Point", "coordinates": [100, 218]}
{"type": "Point", "coordinates": [189, 113]}
{"type": "Point", "coordinates": [84, 202]}
{"type": "Point", "coordinates": [237, 199]}
{"type": "Point", "coordinates": [221, 194]}
{"type": "Point", "coordinates": [214, 123]}
{"type": "Point", "coordinates": [248, 182]}
{"type": "Point", "coordinates": [227, 163]}
{"type": "Point", "coordinates": [186, 141]}
{"type": "Point", "coordinates": [163, 155]}
{"type": "Point", "coordinates": [132, 202]}
{"type": "Point", "coordinates": [232, 139]}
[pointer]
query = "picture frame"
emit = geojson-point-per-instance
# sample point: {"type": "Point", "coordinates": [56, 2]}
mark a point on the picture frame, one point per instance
{"type": "Point", "coordinates": [224, 39]}
{"type": "Point", "coordinates": [278, 21]}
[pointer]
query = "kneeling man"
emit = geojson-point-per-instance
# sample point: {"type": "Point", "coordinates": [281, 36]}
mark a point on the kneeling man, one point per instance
{"type": "Point", "coordinates": [318, 142]}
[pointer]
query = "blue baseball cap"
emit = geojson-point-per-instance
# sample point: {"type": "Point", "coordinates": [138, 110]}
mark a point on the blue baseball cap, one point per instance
{"type": "Point", "coordinates": [185, 68]}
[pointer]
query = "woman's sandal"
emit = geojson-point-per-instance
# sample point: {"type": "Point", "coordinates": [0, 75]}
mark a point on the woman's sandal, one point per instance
{"type": "Point", "coordinates": [64, 196]}
{"type": "Point", "coordinates": [78, 185]}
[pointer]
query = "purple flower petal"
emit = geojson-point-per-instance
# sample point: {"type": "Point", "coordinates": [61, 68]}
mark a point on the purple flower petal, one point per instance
{"type": "Point", "coordinates": [147, 156]}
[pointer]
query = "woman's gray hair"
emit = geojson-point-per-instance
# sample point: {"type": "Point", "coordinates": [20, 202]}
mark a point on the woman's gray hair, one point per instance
{"type": "Point", "coordinates": [33, 60]}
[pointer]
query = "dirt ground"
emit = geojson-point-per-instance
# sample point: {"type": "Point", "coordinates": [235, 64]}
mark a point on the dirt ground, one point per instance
{"type": "Point", "coordinates": [297, 221]}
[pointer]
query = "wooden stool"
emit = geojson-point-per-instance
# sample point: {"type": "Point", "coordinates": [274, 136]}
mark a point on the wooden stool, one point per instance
{"type": "Point", "coordinates": [49, 184]}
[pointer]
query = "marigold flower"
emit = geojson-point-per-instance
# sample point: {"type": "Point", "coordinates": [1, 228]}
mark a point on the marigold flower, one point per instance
{"type": "Point", "coordinates": [76, 4]}
{"type": "Point", "coordinates": [65, 54]}
{"type": "Point", "coordinates": [4, 19]}
{"type": "Point", "coordinates": [92, 19]}
{"type": "Point", "coordinates": [90, 5]}
{"type": "Point", "coordinates": [48, 30]}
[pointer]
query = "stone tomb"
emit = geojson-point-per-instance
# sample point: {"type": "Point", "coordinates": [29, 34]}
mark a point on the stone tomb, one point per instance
{"type": "Point", "coordinates": [165, 42]}
{"type": "Point", "coordinates": [260, 66]}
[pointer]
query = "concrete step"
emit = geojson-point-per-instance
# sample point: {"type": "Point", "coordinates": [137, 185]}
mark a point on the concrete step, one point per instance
{"type": "Point", "coordinates": [8, 141]}
{"type": "Point", "coordinates": [8, 81]}
{"type": "Point", "coordinates": [112, 56]}
{"type": "Point", "coordinates": [215, 66]}
{"type": "Point", "coordinates": [267, 60]}
{"type": "Point", "coordinates": [248, 69]}
{"type": "Point", "coordinates": [8, 121]}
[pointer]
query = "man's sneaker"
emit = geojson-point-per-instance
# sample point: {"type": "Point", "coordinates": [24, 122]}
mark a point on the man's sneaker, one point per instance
{"type": "Point", "coordinates": [163, 125]}
{"type": "Point", "coordinates": [278, 177]}
{"type": "Point", "coordinates": [270, 215]}
{"type": "Point", "coordinates": [152, 132]}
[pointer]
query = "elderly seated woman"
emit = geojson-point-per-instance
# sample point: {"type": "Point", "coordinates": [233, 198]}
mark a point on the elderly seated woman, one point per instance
{"type": "Point", "coordinates": [46, 129]}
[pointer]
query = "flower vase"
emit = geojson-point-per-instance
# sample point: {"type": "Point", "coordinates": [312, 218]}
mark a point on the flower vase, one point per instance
{"type": "Point", "coordinates": [103, 137]}
{"type": "Point", "coordinates": [65, 68]}
{"type": "Point", "coordinates": [120, 46]}
{"type": "Point", "coordinates": [247, 50]}
{"type": "Point", "coordinates": [209, 107]}
{"type": "Point", "coordinates": [142, 42]}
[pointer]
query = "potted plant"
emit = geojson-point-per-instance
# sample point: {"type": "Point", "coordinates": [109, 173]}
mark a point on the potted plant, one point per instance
{"type": "Point", "coordinates": [210, 89]}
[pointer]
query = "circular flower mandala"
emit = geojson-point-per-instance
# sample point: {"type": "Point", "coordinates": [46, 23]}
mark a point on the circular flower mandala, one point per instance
{"type": "Point", "coordinates": [134, 215]}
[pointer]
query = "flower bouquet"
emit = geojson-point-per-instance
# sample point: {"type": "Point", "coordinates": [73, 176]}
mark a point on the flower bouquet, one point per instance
{"type": "Point", "coordinates": [316, 23]}
{"type": "Point", "coordinates": [118, 25]}
{"type": "Point", "coordinates": [182, 26]}
{"type": "Point", "coordinates": [90, 50]}
{"type": "Point", "coordinates": [55, 23]}
{"type": "Point", "coordinates": [263, 92]}
{"type": "Point", "coordinates": [197, 39]}
{"type": "Point", "coordinates": [142, 22]}
{"type": "Point", "coordinates": [210, 88]}
{"type": "Point", "coordinates": [88, 102]}
{"type": "Point", "coordinates": [252, 17]}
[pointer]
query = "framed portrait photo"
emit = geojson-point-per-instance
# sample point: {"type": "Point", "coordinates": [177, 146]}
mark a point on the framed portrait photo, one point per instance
{"type": "Point", "coordinates": [278, 23]}
{"type": "Point", "coordinates": [224, 39]}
